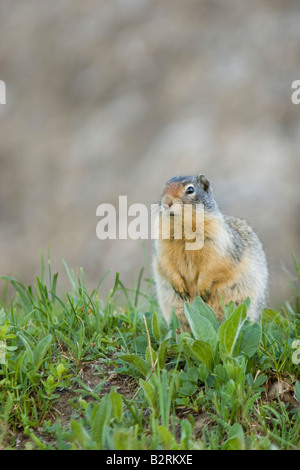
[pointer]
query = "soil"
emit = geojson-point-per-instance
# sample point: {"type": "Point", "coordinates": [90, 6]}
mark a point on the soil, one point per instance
{"type": "Point", "coordinates": [63, 410]}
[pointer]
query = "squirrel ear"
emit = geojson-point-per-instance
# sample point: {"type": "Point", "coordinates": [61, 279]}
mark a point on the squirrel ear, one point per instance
{"type": "Point", "coordinates": [204, 183]}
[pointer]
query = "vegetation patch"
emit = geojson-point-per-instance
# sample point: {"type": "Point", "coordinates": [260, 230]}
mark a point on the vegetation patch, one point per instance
{"type": "Point", "coordinates": [82, 372]}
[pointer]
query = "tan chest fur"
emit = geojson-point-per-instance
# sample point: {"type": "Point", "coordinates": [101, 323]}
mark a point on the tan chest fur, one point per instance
{"type": "Point", "coordinates": [199, 272]}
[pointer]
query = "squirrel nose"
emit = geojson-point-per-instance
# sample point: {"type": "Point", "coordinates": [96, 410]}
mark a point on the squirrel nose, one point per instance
{"type": "Point", "coordinates": [167, 201]}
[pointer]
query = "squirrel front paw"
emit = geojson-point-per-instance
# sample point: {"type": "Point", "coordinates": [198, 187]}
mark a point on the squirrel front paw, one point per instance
{"type": "Point", "coordinates": [184, 295]}
{"type": "Point", "coordinates": [205, 294]}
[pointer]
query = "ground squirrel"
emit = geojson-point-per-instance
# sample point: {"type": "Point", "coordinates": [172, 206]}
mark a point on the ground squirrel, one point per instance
{"type": "Point", "coordinates": [230, 264]}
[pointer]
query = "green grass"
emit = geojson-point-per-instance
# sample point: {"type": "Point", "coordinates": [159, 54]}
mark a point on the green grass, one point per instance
{"type": "Point", "coordinates": [81, 372]}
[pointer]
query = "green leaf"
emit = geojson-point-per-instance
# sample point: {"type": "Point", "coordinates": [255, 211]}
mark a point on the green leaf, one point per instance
{"type": "Point", "coordinates": [182, 338]}
{"type": "Point", "coordinates": [271, 316]}
{"type": "Point", "coordinates": [162, 353]}
{"type": "Point", "coordinates": [79, 436]}
{"type": "Point", "coordinates": [203, 372]}
{"type": "Point", "coordinates": [201, 327]}
{"type": "Point", "coordinates": [247, 302]}
{"type": "Point", "coordinates": [41, 349]}
{"type": "Point", "coordinates": [198, 350]}
{"type": "Point", "coordinates": [3, 330]}
{"type": "Point", "coordinates": [150, 393]}
{"type": "Point", "coordinates": [28, 345]}
{"type": "Point", "coordinates": [229, 309]}
{"type": "Point", "coordinates": [174, 324]}
{"type": "Point", "coordinates": [156, 327]}
{"type": "Point", "coordinates": [229, 330]}
{"type": "Point", "coordinates": [297, 391]}
{"type": "Point", "coordinates": [117, 405]}
{"type": "Point", "coordinates": [150, 356]}
{"type": "Point", "coordinates": [186, 435]}
{"type": "Point", "coordinates": [167, 438]}
{"type": "Point", "coordinates": [260, 380]}
{"type": "Point", "coordinates": [60, 369]}
{"type": "Point", "coordinates": [206, 311]}
{"type": "Point", "coordinates": [193, 374]}
{"type": "Point", "coordinates": [23, 292]}
{"type": "Point", "coordinates": [99, 421]}
{"type": "Point", "coordinates": [236, 438]}
{"type": "Point", "coordinates": [204, 352]}
{"type": "Point", "coordinates": [185, 342]}
{"type": "Point", "coordinates": [188, 389]}
{"type": "Point", "coordinates": [249, 339]}
{"type": "Point", "coordinates": [137, 362]}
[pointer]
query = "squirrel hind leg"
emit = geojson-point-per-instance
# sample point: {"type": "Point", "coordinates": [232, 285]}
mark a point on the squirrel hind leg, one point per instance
{"type": "Point", "coordinates": [256, 308]}
{"type": "Point", "coordinates": [170, 301]}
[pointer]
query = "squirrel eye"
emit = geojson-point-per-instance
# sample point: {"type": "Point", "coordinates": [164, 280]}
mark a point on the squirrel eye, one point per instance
{"type": "Point", "coordinates": [190, 190]}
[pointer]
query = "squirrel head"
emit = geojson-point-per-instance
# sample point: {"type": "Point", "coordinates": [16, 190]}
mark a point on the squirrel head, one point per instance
{"type": "Point", "coordinates": [188, 190]}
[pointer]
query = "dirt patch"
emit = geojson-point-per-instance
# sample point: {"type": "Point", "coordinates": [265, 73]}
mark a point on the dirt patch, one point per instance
{"type": "Point", "coordinates": [91, 375]}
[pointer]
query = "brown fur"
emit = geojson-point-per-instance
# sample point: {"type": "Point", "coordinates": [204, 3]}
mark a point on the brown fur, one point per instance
{"type": "Point", "coordinates": [210, 272]}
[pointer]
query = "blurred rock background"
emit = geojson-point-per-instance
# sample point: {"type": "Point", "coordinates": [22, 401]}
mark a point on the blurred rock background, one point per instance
{"type": "Point", "coordinates": [114, 97]}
